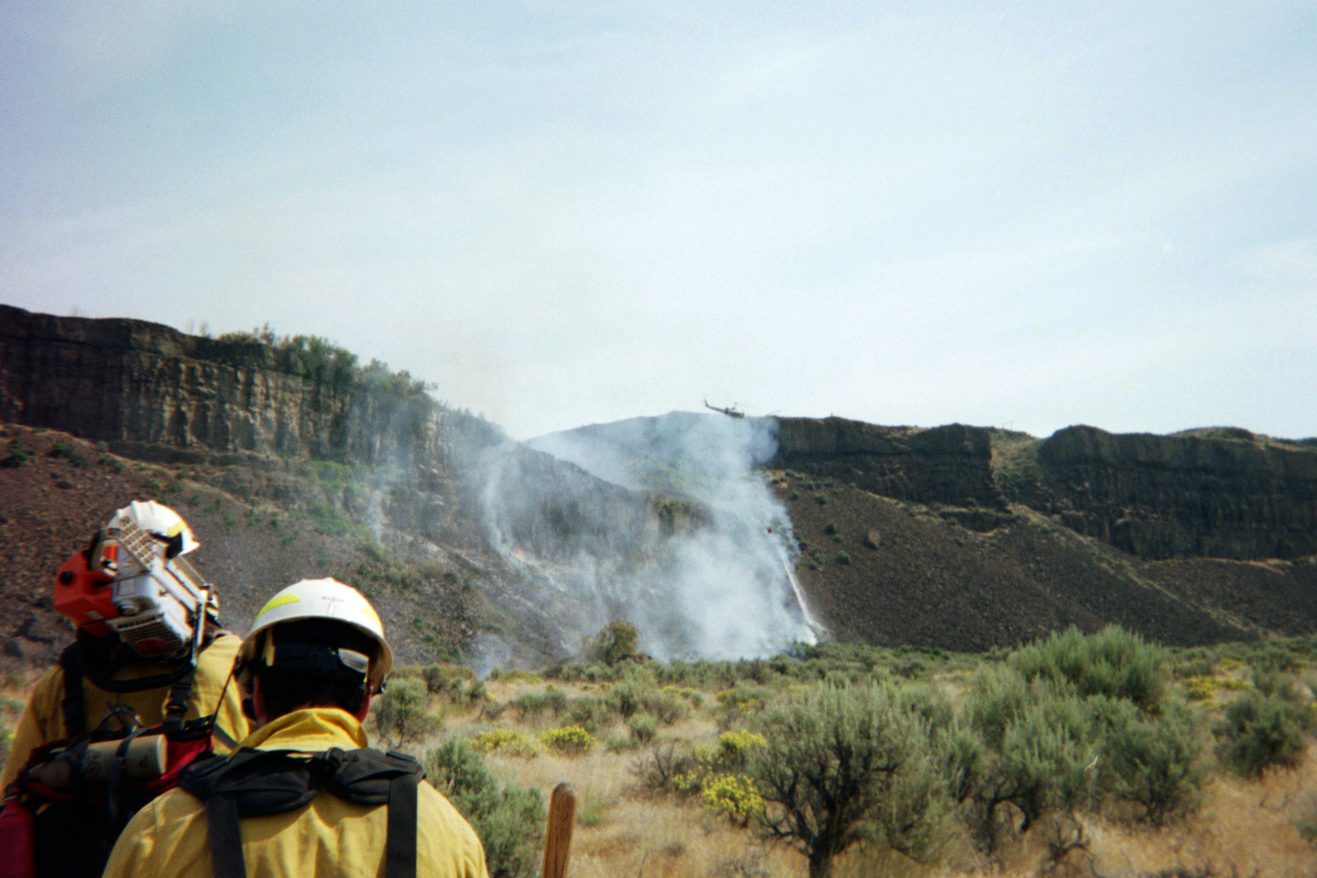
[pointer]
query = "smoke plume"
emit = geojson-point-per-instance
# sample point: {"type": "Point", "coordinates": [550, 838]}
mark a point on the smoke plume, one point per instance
{"type": "Point", "coordinates": [661, 522]}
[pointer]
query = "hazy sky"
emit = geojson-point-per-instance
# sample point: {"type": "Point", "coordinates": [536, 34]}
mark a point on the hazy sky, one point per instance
{"type": "Point", "coordinates": [1016, 214]}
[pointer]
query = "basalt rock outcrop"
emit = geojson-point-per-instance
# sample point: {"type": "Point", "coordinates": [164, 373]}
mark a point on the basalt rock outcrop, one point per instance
{"type": "Point", "coordinates": [142, 387]}
{"type": "Point", "coordinates": [1211, 493]}
{"type": "Point", "coordinates": [949, 464]}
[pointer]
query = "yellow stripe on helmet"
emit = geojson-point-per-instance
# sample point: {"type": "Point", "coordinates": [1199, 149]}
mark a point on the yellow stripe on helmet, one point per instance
{"type": "Point", "coordinates": [276, 602]}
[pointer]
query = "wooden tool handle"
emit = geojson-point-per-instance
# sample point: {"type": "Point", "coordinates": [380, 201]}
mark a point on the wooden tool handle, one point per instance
{"type": "Point", "coordinates": [558, 837]}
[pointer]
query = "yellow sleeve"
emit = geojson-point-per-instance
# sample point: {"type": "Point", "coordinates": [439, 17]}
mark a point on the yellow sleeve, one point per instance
{"type": "Point", "coordinates": [40, 722]}
{"type": "Point", "coordinates": [215, 693]}
{"type": "Point", "coordinates": [447, 845]}
{"type": "Point", "coordinates": [166, 839]}
{"type": "Point", "coordinates": [134, 846]}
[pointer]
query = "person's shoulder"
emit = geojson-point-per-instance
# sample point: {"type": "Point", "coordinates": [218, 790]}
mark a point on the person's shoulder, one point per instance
{"type": "Point", "coordinates": [52, 676]}
{"type": "Point", "coordinates": [226, 640]}
{"type": "Point", "coordinates": [435, 807]}
{"type": "Point", "coordinates": [49, 685]}
{"type": "Point", "coordinates": [447, 837]}
{"type": "Point", "coordinates": [223, 649]}
{"type": "Point", "coordinates": [172, 809]}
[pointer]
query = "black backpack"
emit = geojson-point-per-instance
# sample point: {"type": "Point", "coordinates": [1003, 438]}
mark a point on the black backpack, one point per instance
{"type": "Point", "coordinates": [252, 783]}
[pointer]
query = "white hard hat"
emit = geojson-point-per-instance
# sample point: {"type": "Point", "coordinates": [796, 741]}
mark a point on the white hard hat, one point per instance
{"type": "Point", "coordinates": [321, 599]}
{"type": "Point", "coordinates": [158, 519]}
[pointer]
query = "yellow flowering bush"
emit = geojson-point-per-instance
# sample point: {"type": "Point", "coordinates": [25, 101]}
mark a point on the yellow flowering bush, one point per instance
{"type": "Point", "coordinates": [567, 740]}
{"type": "Point", "coordinates": [732, 796]}
{"type": "Point", "coordinates": [507, 741]}
{"type": "Point", "coordinates": [1205, 688]}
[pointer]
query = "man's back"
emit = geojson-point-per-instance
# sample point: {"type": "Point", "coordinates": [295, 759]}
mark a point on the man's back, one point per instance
{"type": "Point", "coordinates": [329, 836]}
{"type": "Point", "coordinates": [43, 716]}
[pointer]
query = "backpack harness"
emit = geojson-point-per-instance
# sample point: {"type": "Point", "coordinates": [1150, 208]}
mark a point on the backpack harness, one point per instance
{"type": "Point", "coordinates": [51, 793]}
{"type": "Point", "coordinates": [254, 783]}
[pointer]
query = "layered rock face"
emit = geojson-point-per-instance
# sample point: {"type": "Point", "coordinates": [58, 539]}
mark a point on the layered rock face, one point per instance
{"type": "Point", "coordinates": [151, 391]}
{"type": "Point", "coordinates": [1219, 493]}
{"type": "Point", "coordinates": [139, 385]}
{"type": "Point", "coordinates": [949, 464]}
{"type": "Point", "coordinates": [1228, 494]}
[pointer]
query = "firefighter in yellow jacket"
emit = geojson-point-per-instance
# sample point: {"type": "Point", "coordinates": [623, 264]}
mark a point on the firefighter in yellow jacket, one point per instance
{"type": "Point", "coordinates": [148, 648]}
{"type": "Point", "coordinates": [303, 795]}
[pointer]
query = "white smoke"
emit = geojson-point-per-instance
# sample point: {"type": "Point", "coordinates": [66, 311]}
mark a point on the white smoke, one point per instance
{"type": "Point", "coordinates": [717, 585]}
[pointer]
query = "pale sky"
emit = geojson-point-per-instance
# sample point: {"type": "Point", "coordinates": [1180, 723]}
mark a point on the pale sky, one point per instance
{"type": "Point", "coordinates": [1026, 215]}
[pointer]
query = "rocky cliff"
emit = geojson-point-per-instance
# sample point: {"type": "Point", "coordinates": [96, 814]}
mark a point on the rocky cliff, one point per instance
{"type": "Point", "coordinates": [1211, 493]}
{"type": "Point", "coordinates": [949, 464]}
{"type": "Point", "coordinates": [1208, 493]}
{"type": "Point", "coordinates": [141, 386]}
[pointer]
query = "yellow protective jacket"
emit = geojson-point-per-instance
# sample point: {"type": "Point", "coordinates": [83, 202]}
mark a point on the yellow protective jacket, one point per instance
{"type": "Point", "coordinates": [327, 837]}
{"type": "Point", "coordinates": [43, 717]}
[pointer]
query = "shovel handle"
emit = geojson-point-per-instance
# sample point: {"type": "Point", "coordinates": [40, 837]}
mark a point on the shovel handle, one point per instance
{"type": "Point", "coordinates": [558, 836]}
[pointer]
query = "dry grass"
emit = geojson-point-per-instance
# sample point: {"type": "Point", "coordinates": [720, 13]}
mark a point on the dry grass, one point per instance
{"type": "Point", "coordinates": [1244, 829]}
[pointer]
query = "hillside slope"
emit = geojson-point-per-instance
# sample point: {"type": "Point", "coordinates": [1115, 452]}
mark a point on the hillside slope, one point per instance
{"type": "Point", "coordinates": [292, 460]}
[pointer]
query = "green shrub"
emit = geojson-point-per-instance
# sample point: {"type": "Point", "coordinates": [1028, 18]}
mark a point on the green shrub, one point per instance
{"type": "Point", "coordinates": [633, 696]}
{"type": "Point", "coordinates": [1000, 695]}
{"type": "Point", "coordinates": [626, 697]}
{"type": "Point", "coordinates": [400, 713]}
{"type": "Point", "coordinates": [615, 644]}
{"type": "Point", "coordinates": [845, 765]}
{"type": "Point", "coordinates": [690, 696]}
{"type": "Point", "coordinates": [590, 673]}
{"type": "Point", "coordinates": [446, 679]}
{"type": "Point", "coordinates": [590, 712]}
{"type": "Point", "coordinates": [68, 452]}
{"type": "Point", "coordinates": [1260, 730]}
{"type": "Point", "coordinates": [509, 820]}
{"type": "Point", "coordinates": [18, 454]}
{"type": "Point", "coordinates": [643, 728]}
{"type": "Point", "coordinates": [1155, 763]}
{"type": "Point", "coordinates": [741, 702]}
{"type": "Point", "coordinates": [1044, 760]}
{"type": "Point", "coordinates": [1022, 750]}
{"type": "Point", "coordinates": [532, 703]}
{"type": "Point", "coordinates": [1113, 662]}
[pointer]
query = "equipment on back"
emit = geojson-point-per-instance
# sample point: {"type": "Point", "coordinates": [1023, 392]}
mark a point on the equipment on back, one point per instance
{"type": "Point", "coordinates": [252, 783]}
{"type": "Point", "coordinates": [134, 583]}
{"type": "Point", "coordinates": [309, 600]}
{"type": "Point", "coordinates": [62, 814]}
{"type": "Point", "coordinates": [132, 596]}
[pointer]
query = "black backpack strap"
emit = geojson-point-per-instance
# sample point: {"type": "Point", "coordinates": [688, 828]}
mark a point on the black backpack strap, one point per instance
{"type": "Point", "coordinates": [255, 782]}
{"type": "Point", "coordinates": [400, 844]}
{"type": "Point", "coordinates": [224, 834]}
{"type": "Point", "coordinates": [114, 804]}
{"type": "Point", "coordinates": [179, 693]}
{"type": "Point", "coordinates": [75, 711]}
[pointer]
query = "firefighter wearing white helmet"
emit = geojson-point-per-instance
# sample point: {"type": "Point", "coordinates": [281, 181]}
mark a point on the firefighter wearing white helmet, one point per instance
{"type": "Point", "coordinates": [149, 657]}
{"type": "Point", "coordinates": [318, 599]}
{"type": "Point", "coordinates": [146, 624]}
{"type": "Point", "coordinates": [304, 794]}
